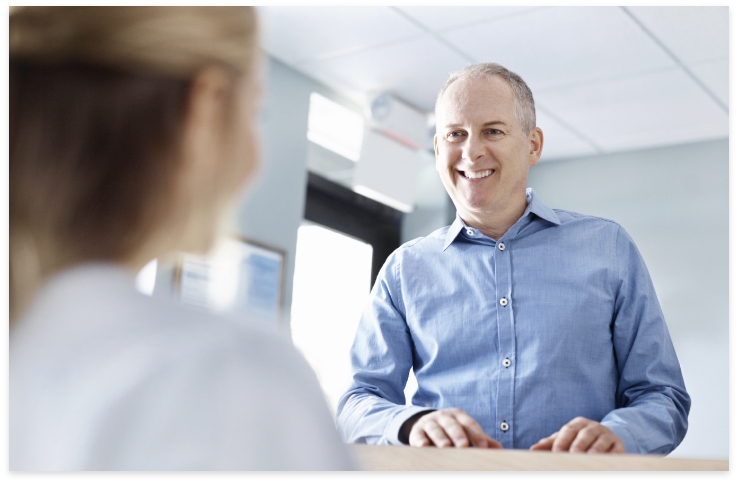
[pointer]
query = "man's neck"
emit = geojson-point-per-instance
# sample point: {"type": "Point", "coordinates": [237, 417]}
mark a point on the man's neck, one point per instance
{"type": "Point", "coordinates": [495, 223]}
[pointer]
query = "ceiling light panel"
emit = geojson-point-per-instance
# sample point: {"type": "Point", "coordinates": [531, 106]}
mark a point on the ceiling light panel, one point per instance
{"type": "Point", "coordinates": [297, 34]}
{"type": "Point", "coordinates": [665, 107]}
{"type": "Point", "coordinates": [690, 33]}
{"type": "Point", "coordinates": [555, 47]}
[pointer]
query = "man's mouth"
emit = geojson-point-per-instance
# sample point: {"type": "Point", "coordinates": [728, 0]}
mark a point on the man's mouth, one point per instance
{"type": "Point", "coordinates": [477, 174]}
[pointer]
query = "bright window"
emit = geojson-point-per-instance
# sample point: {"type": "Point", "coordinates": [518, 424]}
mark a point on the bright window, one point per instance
{"type": "Point", "coordinates": [334, 127]}
{"type": "Point", "coordinates": [330, 290]}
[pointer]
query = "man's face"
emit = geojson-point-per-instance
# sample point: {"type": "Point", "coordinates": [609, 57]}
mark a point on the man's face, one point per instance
{"type": "Point", "coordinates": [482, 153]}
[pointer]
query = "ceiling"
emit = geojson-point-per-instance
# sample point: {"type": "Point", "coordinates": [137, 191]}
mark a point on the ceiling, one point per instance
{"type": "Point", "coordinates": [605, 79]}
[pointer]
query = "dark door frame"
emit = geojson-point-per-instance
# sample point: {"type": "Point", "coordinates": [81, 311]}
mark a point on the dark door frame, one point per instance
{"type": "Point", "coordinates": [334, 206]}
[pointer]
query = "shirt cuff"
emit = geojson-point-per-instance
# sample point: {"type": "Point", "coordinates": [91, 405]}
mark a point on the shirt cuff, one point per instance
{"type": "Point", "coordinates": [392, 433]}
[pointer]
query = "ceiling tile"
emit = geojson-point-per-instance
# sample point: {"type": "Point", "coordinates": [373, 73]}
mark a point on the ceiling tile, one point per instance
{"type": "Point", "coordinates": [690, 33]}
{"type": "Point", "coordinates": [558, 141]}
{"type": "Point", "coordinates": [559, 46]}
{"type": "Point", "coordinates": [665, 107]}
{"type": "Point", "coordinates": [714, 73]}
{"type": "Point", "coordinates": [413, 70]}
{"type": "Point", "coordinates": [443, 18]}
{"type": "Point", "coordinates": [295, 34]}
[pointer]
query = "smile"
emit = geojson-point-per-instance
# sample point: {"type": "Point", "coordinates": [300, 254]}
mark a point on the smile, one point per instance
{"type": "Point", "coordinates": [477, 174]}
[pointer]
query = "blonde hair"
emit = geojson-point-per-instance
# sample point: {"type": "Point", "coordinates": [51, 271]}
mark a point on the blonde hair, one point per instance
{"type": "Point", "coordinates": [97, 101]}
{"type": "Point", "coordinates": [176, 41]}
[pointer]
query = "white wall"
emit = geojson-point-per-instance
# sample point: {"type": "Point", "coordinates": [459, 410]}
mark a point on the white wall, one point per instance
{"type": "Point", "coordinates": [433, 207]}
{"type": "Point", "coordinates": [674, 203]}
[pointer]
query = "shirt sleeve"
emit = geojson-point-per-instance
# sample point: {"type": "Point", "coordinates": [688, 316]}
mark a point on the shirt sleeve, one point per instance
{"type": "Point", "coordinates": [373, 408]}
{"type": "Point", "coordinates": [652, 400]}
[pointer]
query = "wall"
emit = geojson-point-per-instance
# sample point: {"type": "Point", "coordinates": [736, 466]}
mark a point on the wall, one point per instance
{"type": "Point", "coordinates": [433, 207]}
{"type": "Point", "coordinates": [674, 203]}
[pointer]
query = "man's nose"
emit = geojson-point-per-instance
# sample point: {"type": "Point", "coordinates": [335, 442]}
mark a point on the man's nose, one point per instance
{"type": "Point", "coordinates": [473, 149]}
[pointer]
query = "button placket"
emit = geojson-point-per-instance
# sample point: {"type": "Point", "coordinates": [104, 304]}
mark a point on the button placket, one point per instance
{"type": "Point", "coordinates": [506, 343]}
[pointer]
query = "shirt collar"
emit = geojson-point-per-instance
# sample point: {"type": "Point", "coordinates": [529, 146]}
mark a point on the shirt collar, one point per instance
{"type": "Point", "coordinates": [535, 206]}
{"type": "Point", "coordinates": [453, 231]}
{"type": "Point", "coordinates": [539, 208]}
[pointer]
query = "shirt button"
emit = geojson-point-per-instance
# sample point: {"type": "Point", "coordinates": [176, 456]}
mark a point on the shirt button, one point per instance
{"type": "Point", "coordinates": [501, 246]}
{"type": "Point", "coordinates": [470, 232]}
{"type": "Point", "coordinates": [503, 302]}
{"type": "Point", "coordinates": [504, 426]}
{"type": "Point", "coordinates": [506, 362]}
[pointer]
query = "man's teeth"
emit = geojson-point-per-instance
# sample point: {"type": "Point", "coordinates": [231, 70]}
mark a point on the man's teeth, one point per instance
{"type": "Point", "coordinates": [478, 174]}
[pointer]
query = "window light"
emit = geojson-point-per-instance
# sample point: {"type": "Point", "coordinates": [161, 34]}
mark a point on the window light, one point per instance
{"type": "Point", "coordinates": [334, 127]}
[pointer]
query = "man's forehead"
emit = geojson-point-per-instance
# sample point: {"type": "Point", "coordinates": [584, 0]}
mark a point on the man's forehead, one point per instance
{"type": "Point", "coordinates": [480, 93]}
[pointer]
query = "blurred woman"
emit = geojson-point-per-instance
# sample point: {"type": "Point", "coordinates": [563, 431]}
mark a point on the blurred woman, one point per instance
{"type": "Point", "coordinates": [131, 129]}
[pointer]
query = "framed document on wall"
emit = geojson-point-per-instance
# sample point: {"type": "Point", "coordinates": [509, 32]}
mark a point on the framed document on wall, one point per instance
{"type": "Point", "coordinates": [239, 277]}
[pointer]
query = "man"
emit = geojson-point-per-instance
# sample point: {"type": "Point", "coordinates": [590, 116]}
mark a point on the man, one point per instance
{"type": "Point", "coordinates": [526, 327]}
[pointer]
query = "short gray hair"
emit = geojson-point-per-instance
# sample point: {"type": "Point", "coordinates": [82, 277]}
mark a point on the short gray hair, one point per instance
{"type": "Point", "coordinates": [524, 105]}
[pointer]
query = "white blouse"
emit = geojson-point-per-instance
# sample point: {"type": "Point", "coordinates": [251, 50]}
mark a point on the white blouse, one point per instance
{"type": "Point", "coordinates": [104, 378]}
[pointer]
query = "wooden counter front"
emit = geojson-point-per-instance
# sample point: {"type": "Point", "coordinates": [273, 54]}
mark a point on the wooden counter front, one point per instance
{"type": "Point", "coordinates": [398, 458]}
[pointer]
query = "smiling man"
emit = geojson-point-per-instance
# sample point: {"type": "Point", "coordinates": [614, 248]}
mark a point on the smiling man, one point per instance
{"type": "Point", "coordinates": [526, 327]}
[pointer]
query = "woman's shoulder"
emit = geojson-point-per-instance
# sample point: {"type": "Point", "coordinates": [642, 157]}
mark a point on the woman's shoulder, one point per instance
{"type": "Point", "coordinates": [137, 373]}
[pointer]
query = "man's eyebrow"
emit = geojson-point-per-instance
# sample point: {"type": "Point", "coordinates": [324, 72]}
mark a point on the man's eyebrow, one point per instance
{"type": "Point", "coordinates": [488, 123]}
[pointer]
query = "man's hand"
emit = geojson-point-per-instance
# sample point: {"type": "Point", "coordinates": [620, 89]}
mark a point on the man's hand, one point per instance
{"type": "Point", "coordinates": [449, 427]}
{"type": "Point", "coordinates": [582, 435]}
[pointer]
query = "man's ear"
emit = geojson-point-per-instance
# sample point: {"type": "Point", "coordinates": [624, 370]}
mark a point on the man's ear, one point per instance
{"type": "Point", "coordinates": [536, 146]}
{"type": "Point", "coordinates": [435, 148]}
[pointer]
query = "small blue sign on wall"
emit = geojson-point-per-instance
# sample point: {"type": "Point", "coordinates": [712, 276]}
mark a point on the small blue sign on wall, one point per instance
{"type": "Point", "coordinates": [239, 277]}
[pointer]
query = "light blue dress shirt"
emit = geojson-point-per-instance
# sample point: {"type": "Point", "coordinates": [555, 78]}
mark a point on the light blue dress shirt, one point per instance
{"type": "Point", "coordinates": [556, 319]}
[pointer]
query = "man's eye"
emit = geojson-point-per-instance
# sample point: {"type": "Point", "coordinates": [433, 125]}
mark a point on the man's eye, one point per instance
{"type": "Point", "coordinates": [454, 135]}
{"type": "Point", "coordinates": [494, 131]}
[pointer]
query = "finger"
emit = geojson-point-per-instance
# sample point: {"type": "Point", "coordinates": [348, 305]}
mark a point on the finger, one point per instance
{"type": "Point", "coordinates": [603, 444]}
{"type": "Point", "coordinates": [454, 430]}
{"type": "Point", "coordinates": [614, 445]}
{"type": "Point", "coordinates": [436, 434]}
{"type": "Point", "coordinates": [492, 443]}
{"type": "Point", "coordinates": [475, 433]}
{"type": "Point", "coordinates": [567, 433]}
{"type": "Point", "coordinates": [545, 444]}
{"type": "Point", "coordinates": [586, 437]}
{"type": "Point", "coordinates": [418, 438]}
{"type": "Point", "coordinates": [618, 447]}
